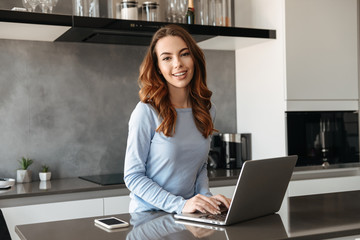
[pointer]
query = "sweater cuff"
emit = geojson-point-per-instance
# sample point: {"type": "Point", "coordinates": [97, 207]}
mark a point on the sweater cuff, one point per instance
{"type": "Point", "coordinates": [181, 206]}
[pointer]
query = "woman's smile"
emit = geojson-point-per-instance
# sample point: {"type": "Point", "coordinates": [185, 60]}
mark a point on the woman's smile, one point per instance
{"type": "Point", "coordinates": [180, 74]}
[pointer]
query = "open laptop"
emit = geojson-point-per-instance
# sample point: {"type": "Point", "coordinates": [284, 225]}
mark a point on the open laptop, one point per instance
{"type": "Point", "coordinates": [259, 191]}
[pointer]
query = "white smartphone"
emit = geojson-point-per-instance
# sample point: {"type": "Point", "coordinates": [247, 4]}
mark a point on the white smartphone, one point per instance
{"type": "Point", "coordinates": [111, 222]}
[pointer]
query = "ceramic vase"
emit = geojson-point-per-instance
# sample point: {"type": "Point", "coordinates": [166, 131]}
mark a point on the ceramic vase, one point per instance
{"type": "Point", "coordinates": [23, 176]}
{"type": "Point", "coordinates": [44, 176]}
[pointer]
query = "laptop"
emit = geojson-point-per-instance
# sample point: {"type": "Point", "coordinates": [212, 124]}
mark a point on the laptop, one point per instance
{"type": "Point", "coordinates": [259, 191]}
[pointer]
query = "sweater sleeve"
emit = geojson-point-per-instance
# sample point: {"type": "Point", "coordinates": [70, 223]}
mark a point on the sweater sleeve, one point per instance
{"type": "Point", "coordinates": [202, 182]}
{"type": "Point", "coordinates": [141, 130]}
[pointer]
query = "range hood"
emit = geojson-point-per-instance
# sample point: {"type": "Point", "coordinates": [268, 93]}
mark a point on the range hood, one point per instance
{"type": "Point", "coordinates": [113, 31]}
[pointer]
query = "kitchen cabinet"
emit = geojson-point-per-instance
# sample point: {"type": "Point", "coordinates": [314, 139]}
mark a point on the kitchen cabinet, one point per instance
{"type": "Point", "coordinates": [116, 205]}
{"type": "Point", "coordinates": [264, 88]}
{"type": "Point", "coordinates": [321, 55]}
{"type": "Point", "coordinates": [323, 185]}
{"type": "Point", "coordinates": [51, 212]}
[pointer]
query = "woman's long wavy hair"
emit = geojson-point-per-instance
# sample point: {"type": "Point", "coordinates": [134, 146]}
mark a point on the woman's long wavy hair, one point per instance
{"type": "Point", "coordinates": [154, 89]}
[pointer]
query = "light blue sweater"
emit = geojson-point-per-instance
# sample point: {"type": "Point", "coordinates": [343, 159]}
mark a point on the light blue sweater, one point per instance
{"type": "Point", "coordinates": [163, 172]}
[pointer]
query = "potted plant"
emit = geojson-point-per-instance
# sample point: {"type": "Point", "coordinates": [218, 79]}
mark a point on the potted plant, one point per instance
{"type": "Point", "coordinates": [23, 174]}
{"type": "Point", "coordinates": [44, 175]}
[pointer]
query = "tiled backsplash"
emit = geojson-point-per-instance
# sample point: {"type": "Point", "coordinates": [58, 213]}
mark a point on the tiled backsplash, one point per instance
{"type": "Point", "coordinates": [67, 105]}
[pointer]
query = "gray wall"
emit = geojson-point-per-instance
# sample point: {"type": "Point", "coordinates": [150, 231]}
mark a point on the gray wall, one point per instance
{"type": "Point", "coordinates": [67, 105]}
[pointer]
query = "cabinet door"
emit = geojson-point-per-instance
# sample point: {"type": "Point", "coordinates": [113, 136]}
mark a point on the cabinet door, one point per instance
{"type": "Point", "coordinates": [51, 212]}
{"type": "Point", "coordinates": [116, 205]}
{"type": "Point", "coordinates": [322, 53]}
{"type": "Point", "coordinates": [323, 185]}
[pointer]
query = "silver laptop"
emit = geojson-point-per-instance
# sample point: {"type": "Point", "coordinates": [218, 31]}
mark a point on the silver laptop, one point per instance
{"type": "Point", "coordinates": [259, 191]}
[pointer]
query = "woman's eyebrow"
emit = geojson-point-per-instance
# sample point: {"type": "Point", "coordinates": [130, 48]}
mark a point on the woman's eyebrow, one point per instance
{"type": "Point", "coordinates": [167, 53]}
{"type": "Point", "coordinates": [184, 49]}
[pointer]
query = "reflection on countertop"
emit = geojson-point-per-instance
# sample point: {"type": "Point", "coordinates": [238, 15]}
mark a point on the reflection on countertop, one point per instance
{"type": "Point", "coordinates": [160, 225]}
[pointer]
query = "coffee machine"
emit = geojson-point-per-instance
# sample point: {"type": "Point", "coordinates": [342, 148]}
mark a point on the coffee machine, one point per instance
{"type": "Point", "coordinates": [229, 150]}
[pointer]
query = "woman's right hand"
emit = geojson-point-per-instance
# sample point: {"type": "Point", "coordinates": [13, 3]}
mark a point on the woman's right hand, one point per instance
{"type": "Point", "coordinates": [202, 204]}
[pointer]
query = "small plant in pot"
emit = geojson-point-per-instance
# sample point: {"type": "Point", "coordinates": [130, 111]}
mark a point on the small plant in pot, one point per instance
{"type": "Point", "coordinates": [23, 175]}
{"type": "Point", "coordinates": [44, 175]}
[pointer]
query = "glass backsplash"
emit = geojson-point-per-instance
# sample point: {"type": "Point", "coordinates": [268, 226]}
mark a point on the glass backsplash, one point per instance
{"type": "Point", "coordinates": [326, 137]}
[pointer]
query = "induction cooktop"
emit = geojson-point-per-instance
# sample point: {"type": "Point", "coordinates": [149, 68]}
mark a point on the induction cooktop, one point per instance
{"type": "Point", "coordinates": [105, 179]}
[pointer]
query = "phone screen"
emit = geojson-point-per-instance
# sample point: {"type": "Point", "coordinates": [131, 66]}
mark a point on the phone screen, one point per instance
{"type": "Point", "coordinates": [111, 221]}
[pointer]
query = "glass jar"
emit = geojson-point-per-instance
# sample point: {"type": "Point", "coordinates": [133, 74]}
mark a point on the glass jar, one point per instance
{"type": "Point", "coordinates": [87, 8]}
{"type": "Point", "coordinates": [128, 10]}
{"type": "Point", "coordinates": [150, 11]}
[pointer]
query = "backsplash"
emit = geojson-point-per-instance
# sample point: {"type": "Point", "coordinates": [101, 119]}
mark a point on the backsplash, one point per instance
{"type": "Point", "coordinates": [67, 105]}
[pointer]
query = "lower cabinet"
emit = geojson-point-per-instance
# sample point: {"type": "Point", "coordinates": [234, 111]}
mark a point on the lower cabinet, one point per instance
{"type": "Point", "coordinates": [116, 205]}
{"type": "Point", "coordinates": [51, 212]}
{"type": "Point", "coordinates": [323, 185]}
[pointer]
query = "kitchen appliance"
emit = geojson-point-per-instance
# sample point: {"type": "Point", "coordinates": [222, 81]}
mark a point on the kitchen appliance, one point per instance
{"type": "Point", "coordinates": [323, 138]}
{"type": "Point", "coordinates": [105, 179]}
{"type": "Point", "coordinates": [229, 150]}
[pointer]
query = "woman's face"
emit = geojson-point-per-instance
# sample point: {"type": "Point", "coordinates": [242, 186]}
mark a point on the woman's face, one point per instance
{"type": "Point", "coordinates": [174, 62]}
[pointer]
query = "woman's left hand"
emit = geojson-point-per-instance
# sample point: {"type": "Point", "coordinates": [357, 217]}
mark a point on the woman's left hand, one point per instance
{"type": "Point", "coordinates": [224, 200]}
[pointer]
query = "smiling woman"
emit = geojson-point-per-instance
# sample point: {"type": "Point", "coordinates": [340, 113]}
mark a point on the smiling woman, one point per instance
{"type": "Point", "coordinates": [170, 129]}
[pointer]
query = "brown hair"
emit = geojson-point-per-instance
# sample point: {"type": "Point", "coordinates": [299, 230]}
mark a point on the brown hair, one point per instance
{"type": "Point", "coordinates": [154, 89]}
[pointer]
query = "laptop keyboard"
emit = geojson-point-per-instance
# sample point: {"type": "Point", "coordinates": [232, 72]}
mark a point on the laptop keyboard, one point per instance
{"type": "Point", "coordinates": [218, 217]}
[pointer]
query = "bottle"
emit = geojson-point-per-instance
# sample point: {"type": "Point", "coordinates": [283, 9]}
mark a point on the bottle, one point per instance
{"type": "Point", "coordinates": [190, 15]}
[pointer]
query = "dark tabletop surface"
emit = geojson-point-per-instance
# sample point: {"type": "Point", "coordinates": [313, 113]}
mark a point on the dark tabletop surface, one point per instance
{"type": "Point", "coordinates": [307, 217]}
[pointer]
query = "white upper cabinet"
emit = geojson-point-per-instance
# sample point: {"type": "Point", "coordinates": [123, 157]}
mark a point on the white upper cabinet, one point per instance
{"type": "Point", "coordinates": [321, 55]}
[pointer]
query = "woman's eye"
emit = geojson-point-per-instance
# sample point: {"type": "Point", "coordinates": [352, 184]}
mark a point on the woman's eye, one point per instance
{"type": "Point", "coordinates": [185, 54]}
{"type": "Point", "coordinates": [166, 59]}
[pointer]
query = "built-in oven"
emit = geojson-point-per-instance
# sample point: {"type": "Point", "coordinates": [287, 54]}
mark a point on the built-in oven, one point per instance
{"type": "Point", "coordinates": [323, 137]}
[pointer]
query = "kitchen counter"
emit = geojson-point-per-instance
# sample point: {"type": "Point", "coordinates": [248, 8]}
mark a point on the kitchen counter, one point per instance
{"type": "Point", "coordinates": [68, 189]}
{"type": "Point", "coordinates": [307, 217]}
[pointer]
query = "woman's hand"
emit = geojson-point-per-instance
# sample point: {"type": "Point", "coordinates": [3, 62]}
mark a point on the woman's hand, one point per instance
{"type": "Point", "coordinates": [205, 204]}
{"type": "Point", "coordinates": [224, 200]}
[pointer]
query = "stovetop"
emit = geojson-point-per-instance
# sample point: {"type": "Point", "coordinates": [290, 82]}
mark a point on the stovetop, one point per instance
{"type": "Point", "coordinates": [105, 179]}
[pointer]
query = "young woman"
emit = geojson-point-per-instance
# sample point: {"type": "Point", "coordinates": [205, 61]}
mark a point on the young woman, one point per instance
{"type": "Point", "coordinates": [170, 129]}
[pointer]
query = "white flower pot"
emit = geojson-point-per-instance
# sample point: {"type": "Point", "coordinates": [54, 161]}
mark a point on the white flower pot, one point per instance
{"type": "Point", "coordinates": [23, 176]}
{"type": "Point", "coordinates": [44, 176]}
{"type": "Point", "coordinates": [44, 185]}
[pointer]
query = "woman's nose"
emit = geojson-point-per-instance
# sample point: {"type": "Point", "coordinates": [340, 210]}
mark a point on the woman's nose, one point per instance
{"type": "Point", "coordinates": [177, 62]}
